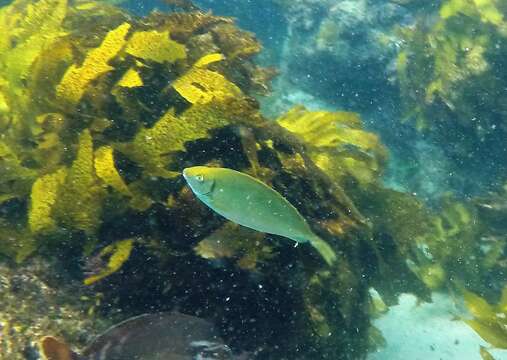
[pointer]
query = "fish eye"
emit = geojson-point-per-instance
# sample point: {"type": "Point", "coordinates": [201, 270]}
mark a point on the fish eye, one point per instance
{"type": "Point", "coordinates": [199, 178]}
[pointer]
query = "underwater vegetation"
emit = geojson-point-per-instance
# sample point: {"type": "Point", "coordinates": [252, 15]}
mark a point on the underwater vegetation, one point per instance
{"type": "Point", "coordinates": [451, 76]}
{"type": "Point", "coordinates": [489, 321]}
{"type": "Point", "coordinates": [61, 138]}
{"type": "Point", "coordinates": [98, 121]}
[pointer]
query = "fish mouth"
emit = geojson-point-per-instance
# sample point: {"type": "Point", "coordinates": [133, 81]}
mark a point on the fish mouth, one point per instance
{"type": "Point", "coordinates": [185, 173]}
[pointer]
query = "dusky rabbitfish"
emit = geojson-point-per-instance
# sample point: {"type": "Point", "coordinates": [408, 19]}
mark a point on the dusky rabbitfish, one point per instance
{"type": "Point", "coordinates": [163, 336]}
{"type": "Point", "coordinates": [249, 202]}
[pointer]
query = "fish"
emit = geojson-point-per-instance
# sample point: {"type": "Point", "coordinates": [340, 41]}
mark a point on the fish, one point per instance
{"type": "Point", "coordinates": [162, 336]}
{"type": "Point", "coordinates": [249, 202]}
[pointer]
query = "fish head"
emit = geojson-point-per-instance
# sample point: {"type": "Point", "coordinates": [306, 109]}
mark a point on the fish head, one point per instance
{"type": "Point", "coordinates": [200, 179]}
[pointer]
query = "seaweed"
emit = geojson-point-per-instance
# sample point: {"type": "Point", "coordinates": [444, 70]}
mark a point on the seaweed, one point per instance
{"type": "Point", "coordinates": [488, 320]}
{"type": "Point", "coordinates": [118, 253]}
{"type": "Point", "coordinates": [338, 143]}
{"type": "Point", "coordinates": [443, 63]}
{"type": "Point", "coordinates": [155, 46]}
{"type": "Point", "coordinates": [201, 86]}
{"type": "Point", "coordinates": [117, 106]}
{"type": "Point", "coordinates": [76, 79]}
{"type": "Point", "coordinates": [79, 198]}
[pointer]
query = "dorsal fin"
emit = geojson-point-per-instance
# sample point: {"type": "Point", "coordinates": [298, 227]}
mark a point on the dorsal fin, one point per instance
{"type": "Point", "coordinates": [53, 349]}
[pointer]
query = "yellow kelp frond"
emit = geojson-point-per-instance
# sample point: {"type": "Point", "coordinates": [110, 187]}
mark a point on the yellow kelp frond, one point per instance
{"type": "Point", "coordinates": [454, 7]}
{"type": "Point", "coordinates": [493, 333]}
{"type": "Point", "coordinates": [485, 354]}
{"type": "Point", "coordinates": [79, 201]}
{"type": "Point", "coordinates": [337, 142]}
{"type": "Point", "coordinates": [152, 147]}
{"type": "Point", "coordinates": [42, 200]}
{"type": "Point", "coordinates": [130, 79]}
{"type": "Point", "coordinates": [50, 148]}
{"type": "Point", "coordinates": [48, 69]}
{"type": "Point", "coordinates": [31, 17]}
{"type": "Point", "coordinates": [479, 307]}
{"type": "Point", "coordinates": [85, 5]}
{"type": "Point", "coordinates": [301, 121]}
{"type": "Point", "coordinates": [44, 16]}
{"type": "Point", "coordinates": [432, 275]}
{"type": "Point", "coordinates": [107, 172]}
{"type": "Point", "coordinates": [201, 86]}
{"type": "Point", "coordinates": [452, 235]}
{"type": "Point", "coordinates": [155, 46]}
{"type": "Point", "coordinates": [490, 321]}
{"type": "Point", "coordinates": [328, 129]}
{"type": "Point", "coordinates": [198, 120]}
{"type": "Point", "coordinates": [118, 253]}
{"type": "Point", "coordinates": [4, 106]}
{"type": "Point", "coordinates": [89, 5]}
{"type": "Point", "coordinates": [27, 28]}
{"type": "Point", "coordinates": [488, 10]}
{"type": "Point", "coordinates": [208, 59]}
{"type": "Point", "coordinates": [76, 79]}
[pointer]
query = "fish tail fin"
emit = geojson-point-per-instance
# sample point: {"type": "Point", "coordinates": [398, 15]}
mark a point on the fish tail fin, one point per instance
{"type": "Point", "coordinates": [324, 249]}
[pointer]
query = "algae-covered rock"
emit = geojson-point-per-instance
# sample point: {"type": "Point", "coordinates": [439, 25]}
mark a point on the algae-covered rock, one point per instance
{"type": "Point", "coordinates": [34, 304]}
